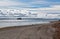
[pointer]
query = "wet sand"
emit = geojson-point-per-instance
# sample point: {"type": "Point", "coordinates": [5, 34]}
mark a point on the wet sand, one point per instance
{"type": "Point", "coordinates": [38, 31]}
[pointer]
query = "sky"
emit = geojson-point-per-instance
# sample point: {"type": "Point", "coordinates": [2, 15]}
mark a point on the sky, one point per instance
{"type": "Point", "coordinates": [29, 3]}
{"type": "Point", "coordinates": [33, 5]}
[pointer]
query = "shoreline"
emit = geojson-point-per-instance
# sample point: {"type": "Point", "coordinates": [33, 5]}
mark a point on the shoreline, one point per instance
{"type": "Point", "coordinates": [30, 25]}
{"type": "Point", "coordinates": [27, 24]}
{"type": "Point", "coordinates": [37, 31]}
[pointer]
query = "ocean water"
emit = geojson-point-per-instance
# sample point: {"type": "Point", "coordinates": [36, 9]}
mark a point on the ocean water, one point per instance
{"type": "Point", "coordinates": [9, 23]}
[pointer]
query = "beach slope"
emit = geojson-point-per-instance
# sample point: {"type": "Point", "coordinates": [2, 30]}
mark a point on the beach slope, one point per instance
{"type": "Point", "coordinates": [38, 31]}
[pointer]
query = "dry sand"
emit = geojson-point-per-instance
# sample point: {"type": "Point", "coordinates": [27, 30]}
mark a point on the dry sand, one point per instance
{"type": "Point", "coordinates": [39, 31]}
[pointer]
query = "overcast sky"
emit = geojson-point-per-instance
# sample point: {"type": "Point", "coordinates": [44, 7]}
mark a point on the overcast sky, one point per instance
{"type": "Point", "coordinates": [37, 5]}
{"type": "Point", "coordinates": [29, 3]}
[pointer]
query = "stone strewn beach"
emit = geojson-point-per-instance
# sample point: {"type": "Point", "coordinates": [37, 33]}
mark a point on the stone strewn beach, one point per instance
{"type": "Point", "coordinates": [38, 31]}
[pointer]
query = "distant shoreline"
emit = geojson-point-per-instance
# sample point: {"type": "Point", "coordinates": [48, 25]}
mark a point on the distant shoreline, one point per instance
{"type": "Point", "coordinates": [28, 25]}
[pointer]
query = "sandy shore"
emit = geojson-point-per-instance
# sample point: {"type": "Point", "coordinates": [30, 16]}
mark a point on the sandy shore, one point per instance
{"type": "Point", "coordinates": [38, 31]}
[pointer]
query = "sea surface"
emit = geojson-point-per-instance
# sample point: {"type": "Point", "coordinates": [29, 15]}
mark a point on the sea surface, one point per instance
{"type": "Point", "coordinates": [9, 23]}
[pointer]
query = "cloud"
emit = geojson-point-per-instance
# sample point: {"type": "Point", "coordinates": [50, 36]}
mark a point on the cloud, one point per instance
{"type": "Point", "coordinates": [43, 3]}
{"type": "Point", "coordinates": [10, 3]}
{"type": "Point", "coordinates": [27, 3]}
{"type": "Point", "coordinates": [53, 7]}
